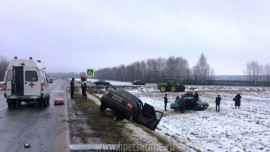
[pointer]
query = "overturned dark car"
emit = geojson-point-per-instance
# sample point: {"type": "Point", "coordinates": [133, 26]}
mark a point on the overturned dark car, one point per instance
{"type": "Point", "coordinates": [189, 103]}
{"type": "Point", "coordinates": [129, 106]}
{"type": "Point", "coordinates": [101, 82]}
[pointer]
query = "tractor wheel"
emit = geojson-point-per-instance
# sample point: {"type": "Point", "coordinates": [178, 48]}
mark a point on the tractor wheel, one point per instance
{"type": "Point", "coordinates": [163, 89]}
{"type": "Point", "coordinates": [173, 88]}
{"type": "Point", "coordinates": [182, 88]}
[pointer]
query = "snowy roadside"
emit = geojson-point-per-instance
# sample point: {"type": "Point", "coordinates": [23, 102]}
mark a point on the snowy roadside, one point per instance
{"type": "Point", "coordinates": [140, 138]}
{"type": "Point", "coordinates": [244, 129]}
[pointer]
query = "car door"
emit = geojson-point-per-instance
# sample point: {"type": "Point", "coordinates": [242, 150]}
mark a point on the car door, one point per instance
{"type": "Point", "coordinates": [149, 117]}
{"type": "Point", "coordinates": [44, 83]}
{"type": "Point", "coordinates": [8, 82]}
{"type": "Point", "coordinates": [31, 81]}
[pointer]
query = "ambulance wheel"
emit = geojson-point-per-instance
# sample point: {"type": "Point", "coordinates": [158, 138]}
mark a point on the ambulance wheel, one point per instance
{"type": "Point", "coordinates": [19, 104]}
{"type": "Point", "coordinates": [44, 102]}
{"type": "Point", "coordinates": [48, 101]}
{"type": "Point", "coordinates": [14, 104]}
{"type": "Point", "coordinates": [40, 103]}
{"type": "Point", "coordinates": [9, 103]}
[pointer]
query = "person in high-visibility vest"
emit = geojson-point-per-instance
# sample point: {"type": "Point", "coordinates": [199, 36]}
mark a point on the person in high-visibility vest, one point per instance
{"type": "Point", "coordinates": [83, 86]}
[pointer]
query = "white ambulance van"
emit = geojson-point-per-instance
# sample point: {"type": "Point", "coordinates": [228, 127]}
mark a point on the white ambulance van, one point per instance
{"type": "Point", "coordinates": [26, 81]}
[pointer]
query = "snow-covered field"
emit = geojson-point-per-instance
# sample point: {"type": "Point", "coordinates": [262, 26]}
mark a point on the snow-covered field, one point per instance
{"type": "Point", "coordinates": [244, 129]}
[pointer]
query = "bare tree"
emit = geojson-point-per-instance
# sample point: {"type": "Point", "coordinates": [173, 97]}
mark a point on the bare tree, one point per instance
{"type": "Point", "coordinates": [267, 74]}
{"type": "Point", "coordinates": [3, 66]}
{"type": "Point", "coordinates": [202, 71]}
{"type": "Point", "coordinates": [254, 69]}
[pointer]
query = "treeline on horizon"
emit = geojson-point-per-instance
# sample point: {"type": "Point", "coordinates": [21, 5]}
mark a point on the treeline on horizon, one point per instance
{"type": "Point", "coordinates": [156, 70]}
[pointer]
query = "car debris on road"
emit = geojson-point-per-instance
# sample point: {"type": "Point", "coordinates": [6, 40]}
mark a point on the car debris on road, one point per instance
{"type": "Point", "coordinates": [58, 101]}
{"type": "Point", "coordinates": [26, 145]}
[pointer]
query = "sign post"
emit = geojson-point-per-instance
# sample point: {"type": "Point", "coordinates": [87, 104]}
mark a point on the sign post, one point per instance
{"type": "Point", "coordinates": [90, 72]}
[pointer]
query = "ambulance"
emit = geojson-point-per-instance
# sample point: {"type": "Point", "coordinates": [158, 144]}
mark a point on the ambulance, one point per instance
{"type": "Point", "coordinates": [26, 81]}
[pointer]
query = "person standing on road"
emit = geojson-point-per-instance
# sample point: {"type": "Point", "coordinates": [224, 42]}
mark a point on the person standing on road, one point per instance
{"type": "Point", "coordinates": [165, 101]}
{"type": "Point", "coordinates": [218, 99]}
{"type": "Point", "coordinates": [83, 86]}
{"type": "Point", "coordinates": [237, 100]}
{"type": "Point", "coordinates": [72, 88]}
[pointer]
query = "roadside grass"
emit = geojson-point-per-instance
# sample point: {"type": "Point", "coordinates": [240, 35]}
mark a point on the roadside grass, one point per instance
{"type": "Point", "coordinates": [102, 125]}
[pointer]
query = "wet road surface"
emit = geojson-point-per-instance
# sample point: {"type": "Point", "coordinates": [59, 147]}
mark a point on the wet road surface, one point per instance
{"type": "Point", "coordinates": [45, 129]}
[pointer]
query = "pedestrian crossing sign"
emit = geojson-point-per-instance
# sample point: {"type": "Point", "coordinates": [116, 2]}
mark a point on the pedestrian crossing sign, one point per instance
{"type": "Point", "coordinates": [90, 72]}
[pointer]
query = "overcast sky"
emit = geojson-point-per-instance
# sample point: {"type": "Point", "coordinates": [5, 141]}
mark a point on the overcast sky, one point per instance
{"type": "Point", "coordinates": [74, 35]}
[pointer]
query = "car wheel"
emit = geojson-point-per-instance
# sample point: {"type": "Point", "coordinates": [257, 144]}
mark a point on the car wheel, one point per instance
{"type": "Point", "coordinates": [162, 89]}
{"type": "Point", "coordinates": [102, 108]}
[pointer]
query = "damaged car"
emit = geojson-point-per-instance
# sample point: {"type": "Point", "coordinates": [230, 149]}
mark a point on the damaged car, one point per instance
{"type": "Point", "coordinates": [129, 106]}
{"type": "Point", "coordinates": [101, 82]}
{"type": "Point", "coordinates": [189, 103]}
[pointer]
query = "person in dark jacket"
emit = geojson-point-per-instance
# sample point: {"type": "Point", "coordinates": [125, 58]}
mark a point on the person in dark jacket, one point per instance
{"type": "Point", "coordinates": [218, 99]}
{"type": "Point", "coordinates": [177, 98]}
{"type": "Point", "coordinates": [72, 88]}
{"type": "Point", "coordinates": [83, 86]}
{"type": "Point", "coordinates": [196, 96]}
{"type": "Point", "coordinates": [182, 104]}
{"type": "Point", "coordinates": [237, 100]}
{"type": "Point", "coordinates": [165, 101]}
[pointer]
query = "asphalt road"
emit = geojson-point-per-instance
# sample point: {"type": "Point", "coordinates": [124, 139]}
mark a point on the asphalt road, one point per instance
{"type": "Point", "coordinates": [45, 129]}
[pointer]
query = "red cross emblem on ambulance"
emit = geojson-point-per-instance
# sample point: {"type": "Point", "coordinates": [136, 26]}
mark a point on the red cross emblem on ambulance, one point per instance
{"type": "Point", "coordinates": [31, 84]}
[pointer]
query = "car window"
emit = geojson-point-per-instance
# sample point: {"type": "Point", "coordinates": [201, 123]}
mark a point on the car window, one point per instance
{"type": "Point", "coordinates": [158, 115]}
{"type": "Point", "coordinates": [128, 95]}
{"type": "Point", "coordinates": [9, 75]}
{"type": "Point", "coordinates": [31, 76]}
{"type": "Point", "coordinates": [110, 87]}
